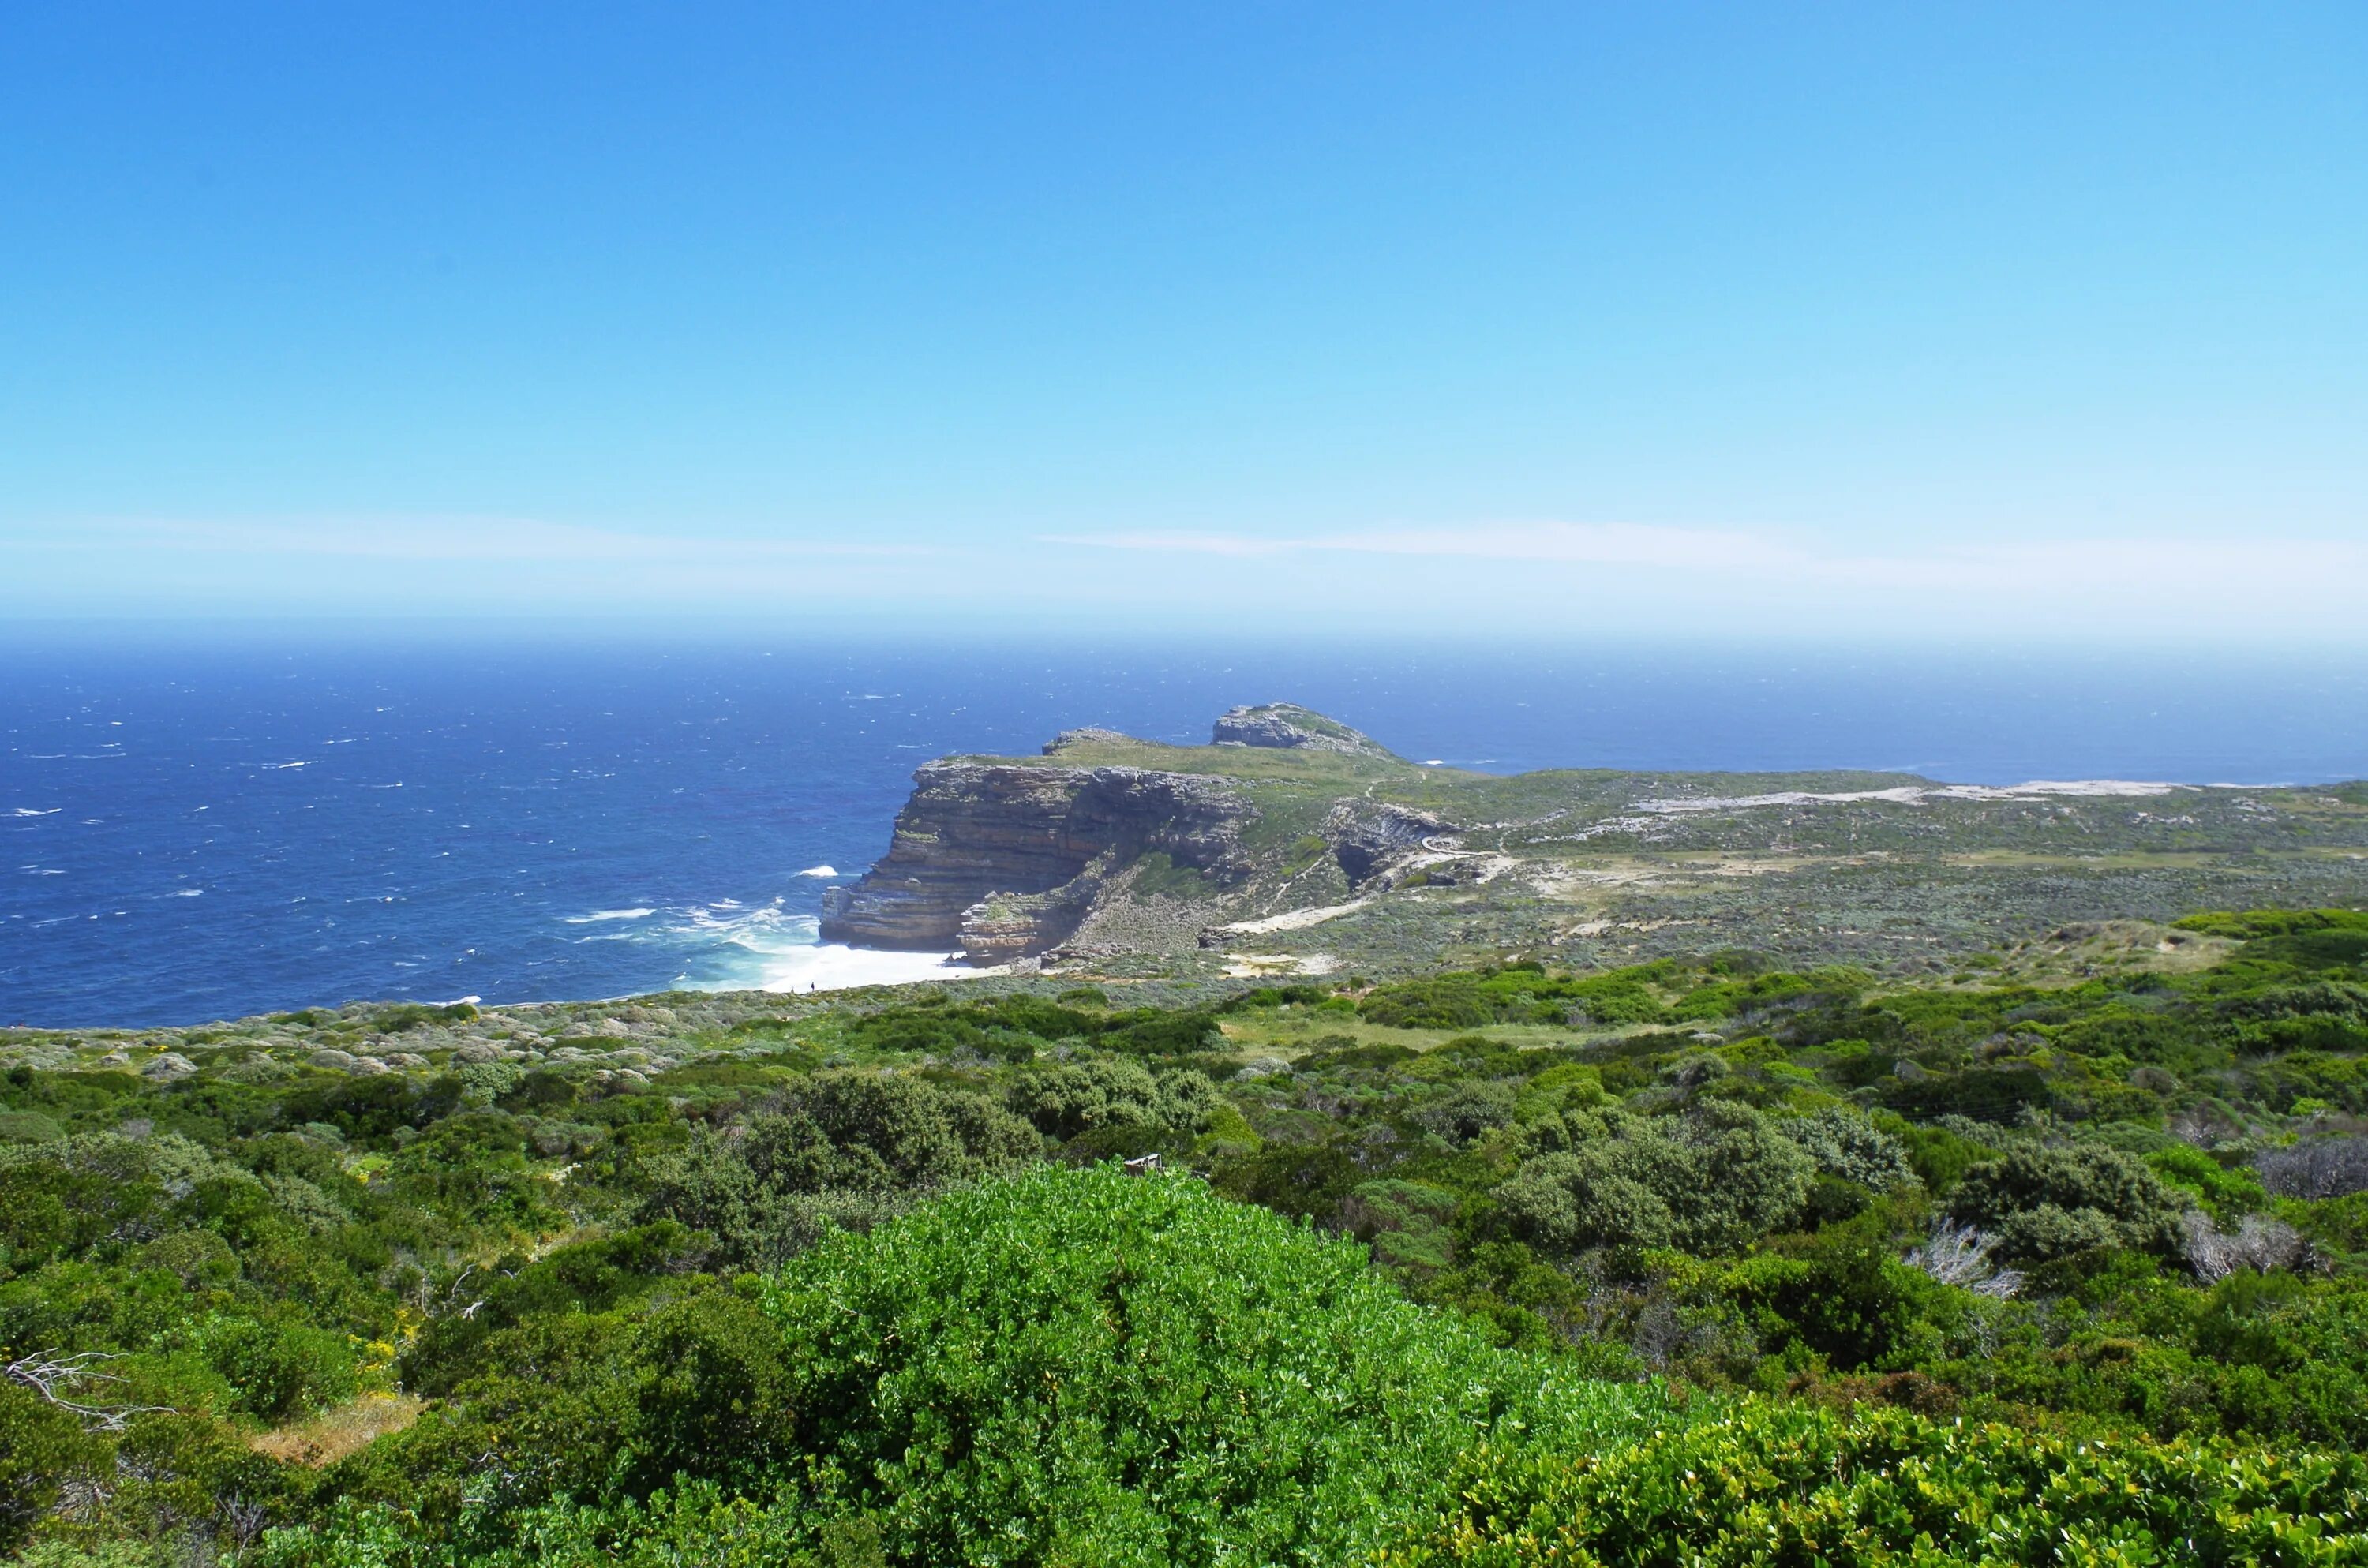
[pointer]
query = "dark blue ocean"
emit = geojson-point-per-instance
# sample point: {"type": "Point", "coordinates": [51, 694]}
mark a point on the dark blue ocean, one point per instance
{"type": "Point", "coordinates": [200, 827]}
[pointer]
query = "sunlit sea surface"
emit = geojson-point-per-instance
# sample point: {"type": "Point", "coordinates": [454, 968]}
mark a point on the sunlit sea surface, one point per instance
{"type": "Point", "coordinates": [203, 830]}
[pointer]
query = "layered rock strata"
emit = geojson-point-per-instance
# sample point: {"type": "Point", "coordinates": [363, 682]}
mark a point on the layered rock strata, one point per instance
{"type": "Point", "coordinates": [1004, 859]}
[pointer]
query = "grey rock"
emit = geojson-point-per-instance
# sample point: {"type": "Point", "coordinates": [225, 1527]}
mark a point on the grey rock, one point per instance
{"type": "Point", "coordinates": [1367, 838]}
{"type": "Point", "coordinates": [1089, 734]}
{"type": "Point", "coordinates": [1288, 726]}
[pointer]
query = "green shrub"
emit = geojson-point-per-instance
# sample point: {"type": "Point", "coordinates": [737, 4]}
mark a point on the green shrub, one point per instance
{"type": "Point", "coordinates": [1149, 1033]}
{"type": "Point", "coordinates": [40, 1446]}
{"type": "Point", "coordinates": [2050, 1202]}
{"type": "Point", "coordinates": [1846, 1145]}
{"type": "Point", "coordinates": [1772, 1484]}
{"type": "Point", "coordinates": [1467, 1109]}
{"type": "Point", "coordinates": [2227, 1192]}
{"type": "Point", "coordinates": [29, 1126]}
{"type": "Point", "coordinates": [713, 1398]}
{"type": "Point", "coordinates": [842, 1149]}
{"type": "Point", "coordinates": [1079, 1366]}
{"type": "Point", "coordinates": [1112, 1091]}
{"type": "Point", "coordinates": [1708, 1182]}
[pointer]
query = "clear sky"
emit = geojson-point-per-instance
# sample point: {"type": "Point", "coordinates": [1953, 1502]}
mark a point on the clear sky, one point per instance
{"type": "Point", "coordinates": [1983, 320]}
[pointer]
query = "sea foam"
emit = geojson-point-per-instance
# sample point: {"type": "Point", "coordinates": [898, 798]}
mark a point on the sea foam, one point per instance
{"type": "Point", "coordinates": [773, 948]}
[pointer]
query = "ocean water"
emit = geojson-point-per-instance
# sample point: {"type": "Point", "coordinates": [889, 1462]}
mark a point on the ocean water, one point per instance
{"type": "Point", "coordinates": [200, 829]}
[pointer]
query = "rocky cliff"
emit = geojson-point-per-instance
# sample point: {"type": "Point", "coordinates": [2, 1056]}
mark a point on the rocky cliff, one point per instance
{"type": "Point", "coordinates": [1004, 860]}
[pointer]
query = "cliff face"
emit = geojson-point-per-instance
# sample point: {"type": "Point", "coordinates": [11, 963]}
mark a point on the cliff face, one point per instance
{"type": "Point", "coordinates": [1003, 860]}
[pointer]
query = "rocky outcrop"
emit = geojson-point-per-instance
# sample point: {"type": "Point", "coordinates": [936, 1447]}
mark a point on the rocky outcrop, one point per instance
{"type": "Point", "coordinates": [1367, 837]}
{"type": "Point", "coordinates": [1004, 860]}
{"type": "Point", "coordinates": [1086, 735]}
{"type": "Point", "coordinates": [1287, 726]}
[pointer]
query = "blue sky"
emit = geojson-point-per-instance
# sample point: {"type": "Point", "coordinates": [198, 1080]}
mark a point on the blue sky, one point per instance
{"type": "Point", "coordinates": [1987, 321]}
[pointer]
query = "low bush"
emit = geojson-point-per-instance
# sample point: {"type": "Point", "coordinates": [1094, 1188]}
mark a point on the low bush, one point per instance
{"type": "Point", "coordinates": [1768, 1483]}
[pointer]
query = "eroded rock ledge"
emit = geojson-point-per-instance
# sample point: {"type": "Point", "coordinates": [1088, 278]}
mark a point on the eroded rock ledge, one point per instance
{"type": "Point", "coordinates": [1004, 859]}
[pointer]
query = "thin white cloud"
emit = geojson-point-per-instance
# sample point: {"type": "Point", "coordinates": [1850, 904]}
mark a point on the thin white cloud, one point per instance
{"type": "Point", "coordinates": [1596, 544]}
{"type": "Point", "coordinates": [2312, 570]}
{"type": "Point", "coordinates": [1607, 544]}
{"type": "Point", "coordinates": [457, 540]}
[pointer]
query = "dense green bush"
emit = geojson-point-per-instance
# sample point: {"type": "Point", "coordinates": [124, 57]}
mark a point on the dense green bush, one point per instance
{"type": "Point", "coordinates": [1706, 1182]}
{"type": "Point", "coordinates": [713, 1399]}
{"type": "Point", "coordinates": [1107, 1091]}
{"type": "Point", "coordinates": [39, 1446]}
{"type": "Point", "coordinates": [1847, 1146]}
{"type": "Point", "coordinates": [2053, 1202]}
{"type": "Point", "coordinates": [1467, 1109]}
{"type": "Point", "coordinates": [842, 1149]}
{"type": "Point", "coordinates": [1776, 1484]}
{"type": "Point", "coordinates": [1081, 1366]}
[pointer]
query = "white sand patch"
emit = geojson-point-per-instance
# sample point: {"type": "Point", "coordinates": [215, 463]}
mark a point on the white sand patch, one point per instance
{"type": "Point", "coordinates": [1566, 880]}
{"type": "Point", "coordinates": [1917, 794]}
{"type": "Point", "coordinates": [1296, 919]}
{"type": "Point", "coordinates": [1252, 966]}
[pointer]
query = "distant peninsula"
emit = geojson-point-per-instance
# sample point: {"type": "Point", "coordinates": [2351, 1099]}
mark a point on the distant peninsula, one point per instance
{"type": "Point", "coordinates": [1293, 843]}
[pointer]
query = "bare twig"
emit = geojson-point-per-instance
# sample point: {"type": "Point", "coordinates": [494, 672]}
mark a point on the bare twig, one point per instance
{"type": "Point", "coordinates": [1960, 1255]}
{"type": "Point", "coordinates": [54, 1376]}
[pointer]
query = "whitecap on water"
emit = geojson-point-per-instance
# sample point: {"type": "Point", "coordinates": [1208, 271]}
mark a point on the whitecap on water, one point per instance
{"type": "Point", "coordinates": [829, 966]}
{"type": "Point", "coordinates": [819, 871]}
{"type": "Point", "coordinates": [600, 914]}
{"type": "Point", "coordinates": [772, 949]}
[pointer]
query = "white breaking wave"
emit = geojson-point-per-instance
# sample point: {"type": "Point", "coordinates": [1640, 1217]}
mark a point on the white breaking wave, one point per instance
{"type": "Point", "coordinates": [30, 812]}
{"type": "Point", "coordinates": [770, 948]}
{"type": "Point", "coordinates": [819, 871]}
{"type": "Point", "coordinates": [831, 966]}
{"type": "Point", "coordinates": [600, 914]}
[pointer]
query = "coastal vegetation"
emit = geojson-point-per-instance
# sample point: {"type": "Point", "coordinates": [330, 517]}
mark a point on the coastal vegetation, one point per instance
{"type": "Point", "coordinates": [2058, 1256]}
